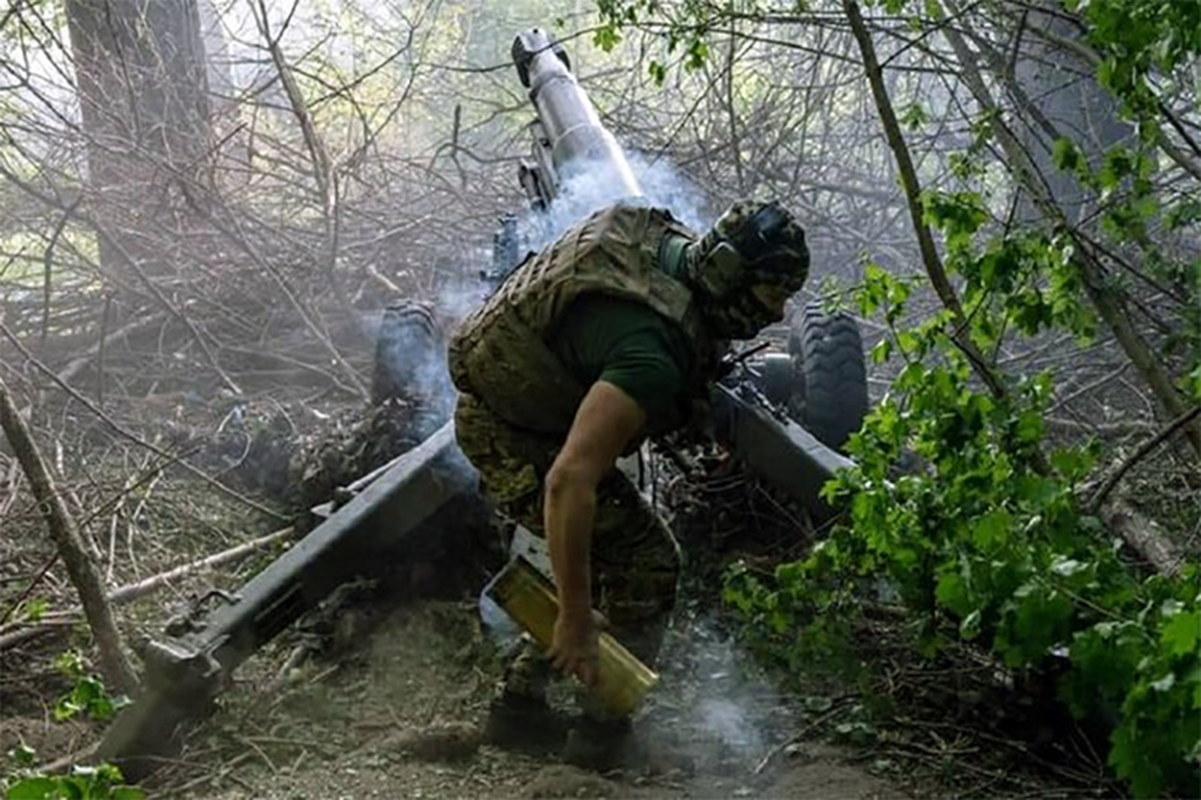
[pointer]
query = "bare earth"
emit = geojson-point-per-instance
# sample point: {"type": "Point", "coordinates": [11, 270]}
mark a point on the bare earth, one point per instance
{"type": "Point", "coordinates": [400, 715]}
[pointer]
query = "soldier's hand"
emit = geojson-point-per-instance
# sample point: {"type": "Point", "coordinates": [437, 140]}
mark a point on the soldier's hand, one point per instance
{"type": "Point", "coordinates": [576, 645]}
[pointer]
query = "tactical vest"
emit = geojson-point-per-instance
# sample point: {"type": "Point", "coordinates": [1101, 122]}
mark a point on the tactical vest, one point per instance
{"type": "Point", "coordinates": [501, 352]}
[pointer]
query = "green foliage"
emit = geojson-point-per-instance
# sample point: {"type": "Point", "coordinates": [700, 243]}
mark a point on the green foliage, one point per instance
{"type": "Point", "coordinates": [688, 33]}
{"type": "Point", "coordinates": [103, 782]}
{"type": "Point", "coordinates": [657, 71]}
{"type": "Point", "coordinates": [980, 543]}
{"type": "Point", "coordinates": [914, 116]}
{"type": "Point", "coordinates": [1136, 38]}
{"type": "Point", "coordinates": [1132, 211]}
{"type": "Point", "coordinates": [88, 696]}
{"type": "Point", "coordinates": [22, 756]}
{"type": "Point", "coordinates": [985, 543]}
{"type": "Point", "coordinates": [1144, 46]}
{"type": "Point", "coordinates": [32, 609]}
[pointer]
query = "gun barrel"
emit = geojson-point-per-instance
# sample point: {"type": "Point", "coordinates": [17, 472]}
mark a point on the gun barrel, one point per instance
{"type": "Point", "coordinates": [571, 130]}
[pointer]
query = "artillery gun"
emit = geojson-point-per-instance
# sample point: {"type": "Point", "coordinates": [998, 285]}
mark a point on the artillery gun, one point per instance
{"type": "Point", "coordinates": [820, 381]}
{"type": "Point", "coordinates": [760, 410]}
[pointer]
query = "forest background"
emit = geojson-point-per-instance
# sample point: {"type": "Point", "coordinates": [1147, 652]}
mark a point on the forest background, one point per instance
{"type": "Point", "coordinates": [206, 204]}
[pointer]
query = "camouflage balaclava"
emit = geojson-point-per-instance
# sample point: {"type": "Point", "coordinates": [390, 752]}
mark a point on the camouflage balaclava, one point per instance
{"type": "Point", "coordinates": [752, 243]}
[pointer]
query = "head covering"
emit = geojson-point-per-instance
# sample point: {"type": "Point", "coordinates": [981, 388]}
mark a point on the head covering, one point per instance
{"type": "Point", "coordinates": [752, 243]}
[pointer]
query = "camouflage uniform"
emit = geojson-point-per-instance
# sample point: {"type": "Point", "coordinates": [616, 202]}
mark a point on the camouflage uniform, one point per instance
{"type": "Point", "coordinates": [517, 403]}
{"type": "Point", "coordinates": [635, 560]}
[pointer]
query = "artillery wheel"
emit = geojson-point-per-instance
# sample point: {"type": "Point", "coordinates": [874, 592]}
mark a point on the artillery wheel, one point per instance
{"type": "Point", "coordinates": [408, 337]}
{"type": "Point", "coordinates": [410, 365]}
{"type": "Point", "coordinates": [830, 396]}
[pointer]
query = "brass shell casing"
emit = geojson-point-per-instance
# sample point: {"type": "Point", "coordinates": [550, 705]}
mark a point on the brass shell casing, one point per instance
{"type": "Point", "coordinates": [530, 599]}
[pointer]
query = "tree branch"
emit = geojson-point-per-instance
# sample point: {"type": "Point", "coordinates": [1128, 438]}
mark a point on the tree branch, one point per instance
{"type": "Point", "coordinates": [114, 664]}
{"type": "Point", "coordinates": [1107, 299]}
{"type": "Point", "coordinates": [1145, 449]}
{"type": "Point", "coordinates": [170, 458]}
{"type": "Point", "coordinates": [930, 258]}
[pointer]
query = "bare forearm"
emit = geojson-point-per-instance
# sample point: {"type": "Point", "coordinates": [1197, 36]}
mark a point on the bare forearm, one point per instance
{"type": "Point", "coordinates": [569, 514]}
{"type": "Point", "coordinates": [604, 424]}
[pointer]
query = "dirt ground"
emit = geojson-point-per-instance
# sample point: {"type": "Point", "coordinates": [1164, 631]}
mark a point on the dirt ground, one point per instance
{"type": "Point", "coordinates": [400, 716]}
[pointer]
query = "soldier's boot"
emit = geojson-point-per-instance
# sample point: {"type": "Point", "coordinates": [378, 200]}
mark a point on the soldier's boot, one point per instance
{"type": "Point", "coordinates": [520, 718]}
{"type": "Point", "coordinates": [599, 740]}
{"type": "Point", "coordinates": [601, 744]}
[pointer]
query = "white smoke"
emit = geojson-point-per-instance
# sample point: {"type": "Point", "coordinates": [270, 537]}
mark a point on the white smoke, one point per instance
{"type": "Point", "coordinates": [592, 189]}
{"type": "Point", "coordinates": [725, 707]}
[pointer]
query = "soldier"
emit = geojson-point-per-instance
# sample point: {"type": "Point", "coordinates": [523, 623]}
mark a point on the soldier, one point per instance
{"type": "Point", "coordinates": [611, 334]}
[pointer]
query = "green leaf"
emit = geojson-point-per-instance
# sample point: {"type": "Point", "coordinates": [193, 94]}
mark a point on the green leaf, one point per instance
{"type": "Point", "coordinates": [1165, 683]}
{"type": "Point", "coordinates": [1066, 567]}
{"type": "Point", "coordinates": [1065, 155]}
{"type": "Point", "coordinates": [35, 608]}
{"type": "Point", "coordinates": [1029, 427]}
{"type": "Point", "coordinates": [951, 592]}
{"type": "Point", "coordinates": [22, 755]}
{"type": "Point", "coordinates": [992, 529]}
{"type": "Point", "coordinates": [70, 663]}
{"type": "Point", "coordinates": [969, 626]}
{"type": "Point", "coordinates": [657, 71]}
{"type": "Point", "coordinates": [698, 54]}
{"type": "Point", "coordinates": [40, 788]}
{"type": "Point", "coordinates": [1181, 634]}
{"type": "Point", "coordinates": [914, 116]}
{"type": "Point", "coordinates": [127, 793]}
{"type": "Point", "coordinates": [606, 37]}
{"type": "Point", "coordinates": [881, 351]}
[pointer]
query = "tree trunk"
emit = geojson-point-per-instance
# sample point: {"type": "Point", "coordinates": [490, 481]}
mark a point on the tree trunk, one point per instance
{"type": "Point", "coordinates": [118, 672]}
{"type": "Point", "coordinates": [1058, 84]}
{"type": "Point", "coordinates": [143, 95]}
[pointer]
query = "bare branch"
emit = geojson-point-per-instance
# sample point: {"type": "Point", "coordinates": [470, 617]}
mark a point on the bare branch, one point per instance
{"type": "Point", "coordinates": [117, 669]}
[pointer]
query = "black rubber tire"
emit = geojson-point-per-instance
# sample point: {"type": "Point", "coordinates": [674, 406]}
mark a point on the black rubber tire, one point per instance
{"type": "Point", "coordinates": [830, 400]}
{"type": "Point", "coordinates": [410, 365]}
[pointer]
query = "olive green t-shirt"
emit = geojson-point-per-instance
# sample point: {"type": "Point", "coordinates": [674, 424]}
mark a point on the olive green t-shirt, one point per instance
{"type": "Point", "coordinates": [630, 345]}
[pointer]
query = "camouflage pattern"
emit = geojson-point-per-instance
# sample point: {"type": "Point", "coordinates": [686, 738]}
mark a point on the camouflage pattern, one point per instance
{"type": "Point", "coordinates": [518, 401]}
{"type": "Point", "coordinates": [635, 559]}
{"type": "Point", "coordinates": [751, 243]}
{"type": "Point", "coordinates": [500, 352]}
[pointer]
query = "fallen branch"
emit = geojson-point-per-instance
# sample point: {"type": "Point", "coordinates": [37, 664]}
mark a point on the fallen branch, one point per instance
{"type": "Point", "coordinates": [44, 626]}
{"type": "Point", "coordinates": [65, 763]}
{"type": "Point", "coordinates": [115, 665]}
{"type": "Point", "coordinates": [133, 591]}
{"type": "Point", "coordinates": [1145, 537]}
{"type": "Point", "coordinates": [384, 280]}
{"type": "Point", "coordinates": [68, 373]}
{"type": "Point", "coordinates": [800, 735]}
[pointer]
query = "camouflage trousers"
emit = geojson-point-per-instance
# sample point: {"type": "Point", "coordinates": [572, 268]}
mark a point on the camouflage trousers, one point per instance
{"type": "Point", "coordinates": [635, 560]}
